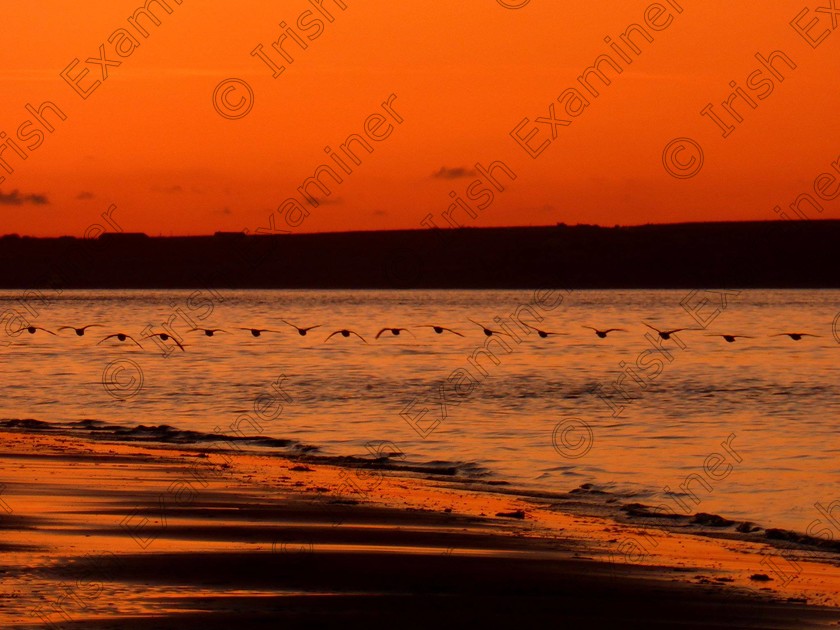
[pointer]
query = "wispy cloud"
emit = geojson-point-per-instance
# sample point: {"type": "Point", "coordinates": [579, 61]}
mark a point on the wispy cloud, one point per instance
{"type": "Point", "coordinates": [454, 173]}
{"type": "Point", "coordinates": [14, 198]}
{"type": "Point", "coordinates": [170, 190]}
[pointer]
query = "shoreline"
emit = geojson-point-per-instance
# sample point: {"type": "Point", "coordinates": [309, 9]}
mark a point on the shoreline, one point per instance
{"type": "Point", "coordinates": [163, 511]}
{"type": "Point", "coordinates": [588, 499]}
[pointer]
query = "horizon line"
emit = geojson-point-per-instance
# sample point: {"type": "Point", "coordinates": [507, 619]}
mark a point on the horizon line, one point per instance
{"type": "Point", "coordinates": [245, 232]}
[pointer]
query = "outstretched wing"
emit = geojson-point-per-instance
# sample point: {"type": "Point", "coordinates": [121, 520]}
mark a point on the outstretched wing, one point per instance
{"type": "Point", "coordinates": [358, 335]}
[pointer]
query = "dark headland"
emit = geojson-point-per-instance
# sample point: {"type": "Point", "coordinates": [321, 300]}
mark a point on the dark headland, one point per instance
{"type": "Point", "coordinates": [769, 254]}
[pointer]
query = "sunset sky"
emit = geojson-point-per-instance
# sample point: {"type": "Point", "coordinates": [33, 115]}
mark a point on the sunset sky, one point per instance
{"type": "Point", "coordinates": [464, 75]}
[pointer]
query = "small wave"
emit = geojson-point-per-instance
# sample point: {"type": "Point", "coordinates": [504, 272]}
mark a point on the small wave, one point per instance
{"type": "Point", "coordinates": [714, 523]}
{"type": "Point", "coordinates": [162, 433]}
{"type": "Point", "coordinates": [166, 434]}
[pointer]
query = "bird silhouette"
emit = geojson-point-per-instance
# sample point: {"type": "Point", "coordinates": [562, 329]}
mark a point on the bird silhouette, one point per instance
{"type": "Point", "coordinates": [80, 332]}
{"type": "Point", "coordinates": [208, 332]}
{"type": "Point", "coordinates": [344, 333]}
{"type": "Point", "coordinates": [32, 330]}
{"type": "Point", "coordinates": [795, 336]}
{"type": "Point", "coordinates": [731, 338]}
{"type": "Point", "coordinates": [394, 331]}
{"type": "Point", "coordinates": [120, 337]}
{"type": "Point", "coordinates": [603, 333]}
{"type": "Point", "coordinates": [665, 334]}
{"type": "Point", "coordinates": [439, 329]}
{"type": "Point", "coordinates": [543, 333]}
{"type": "Point", "coordinates": [165, 337]}
{"type": "Point", "coordinates": [301, 331]}
{"type": "Point", "coordinates": [256, 332]}
{"type": "Point", "coordinates": [488, 331]}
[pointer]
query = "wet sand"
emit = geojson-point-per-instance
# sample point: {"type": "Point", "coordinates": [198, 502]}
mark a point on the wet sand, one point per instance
{"type": "Point", "coordinates": [98, 534]}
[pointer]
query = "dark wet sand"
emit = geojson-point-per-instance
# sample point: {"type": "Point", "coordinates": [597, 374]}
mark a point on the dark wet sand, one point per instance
{"type": "Point", "coordinates": [116, 536]}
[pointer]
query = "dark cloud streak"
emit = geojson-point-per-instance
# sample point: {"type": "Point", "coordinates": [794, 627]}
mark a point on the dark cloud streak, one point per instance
{"type": "Point", "coordinates": [14, 198]}
{"type": "Point", "coordinates": [454, 173]}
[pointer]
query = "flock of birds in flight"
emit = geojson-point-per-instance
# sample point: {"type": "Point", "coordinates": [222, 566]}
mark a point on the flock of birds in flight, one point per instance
{"type": "Point", "coordinates": [345, 332]}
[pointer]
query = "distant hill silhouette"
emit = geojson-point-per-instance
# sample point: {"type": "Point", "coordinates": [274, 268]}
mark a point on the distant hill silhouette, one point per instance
{"type": "Point", "coordinates": [771, 254]}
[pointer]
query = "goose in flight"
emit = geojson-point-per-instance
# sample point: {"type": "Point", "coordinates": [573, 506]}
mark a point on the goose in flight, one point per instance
{"type": "Point", "coordinates": [344, 333]}
{"type": "Point", "coordinates": [488, 331]}
{"type": "Point", "coordinates": [32, 330]}
{"type": "Point", "coordinates": [256, 332]}
{"type": "Point", "coordinates": [732, 338]}
{"type": "Point", "coordinates": [439, 329]}
{"type": "Point", "coordinates": [543, 333]}
{"type": "Point", "coordinates": [795, 336]}
{"type": "Point", "coordinates": [120, 337]}
{"type": "Point", "coordinates": [665, 334]}
{"type": "Point", "coordinates": [208, 332]}
{"type": "Point", "coordinates": [394, 331]}
{"type": "Point", "coordinates": [80, 332]}
{"type": "Point", "coordinates": [603, 333]}
{"type": "Point", "coordinates": [165, 337]}
{"type": "Point", "coordinates": [301, 331]}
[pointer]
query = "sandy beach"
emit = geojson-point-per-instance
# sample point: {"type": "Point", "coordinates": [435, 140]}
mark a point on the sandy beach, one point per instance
{"type": "Point", "coordinates": [98, 534]}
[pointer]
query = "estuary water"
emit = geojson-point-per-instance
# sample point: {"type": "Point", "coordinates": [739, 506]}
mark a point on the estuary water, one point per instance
{"type": "Point", "coordinates": [752, 425]}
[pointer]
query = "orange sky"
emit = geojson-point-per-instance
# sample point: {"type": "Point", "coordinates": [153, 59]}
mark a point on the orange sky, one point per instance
{"type": "Point", "coordinates": [465, 74]}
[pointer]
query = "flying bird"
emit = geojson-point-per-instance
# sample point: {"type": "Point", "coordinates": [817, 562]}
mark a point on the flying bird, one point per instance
{"type": "Point", "coordinates": [165, 337]}
{"type": "Point", "coordinates": [732, 338]}
{"type": "Point", "coordinates": [344, 333]}
{"type": "Point", "coordinates": [32, 330]}
{"type": "Point", "coordinates": [795, 336]}
{"type": "Point", "coordinates": [439, 329]}
{"type": "Point", "coordinates": [603, 333]}
{"type": "Point", "coordinates": [301, 331]}
{"type": "Point", "coordinates": [665, 334]}
{"type": "Point", "coordinates": [543, 333]}
{"type": "Point", "coordinates": [488, 331]}
{"type": "Point", "coordinates": [208, 332]}
{"type": "Point", "coordinates": [80, 332]}
{"type": "Point", "coordinates": [256, 332]}
{"type": "Point", "coordinates": [121, 337]}
{"type": "Point", "coordinates": [394, 331]}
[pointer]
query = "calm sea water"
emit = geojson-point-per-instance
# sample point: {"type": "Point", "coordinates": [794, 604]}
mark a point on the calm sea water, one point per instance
{"type": "Point", "coordinates": [532, 419]}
